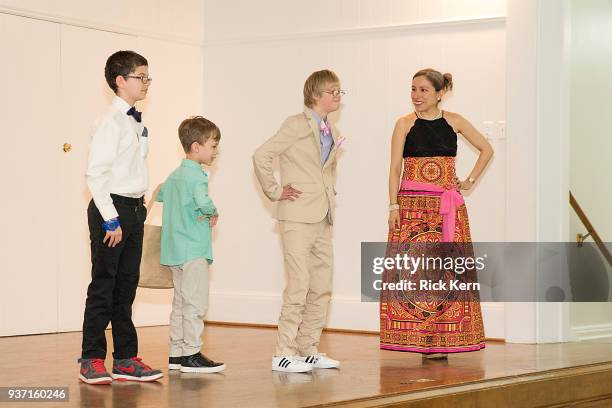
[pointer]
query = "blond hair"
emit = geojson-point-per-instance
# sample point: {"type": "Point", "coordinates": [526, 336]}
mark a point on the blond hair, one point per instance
{"type": "Point", "coordinates": [316, 81]}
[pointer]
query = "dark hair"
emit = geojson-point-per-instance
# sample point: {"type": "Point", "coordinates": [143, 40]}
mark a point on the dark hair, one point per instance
{"type": "Point", "coordinates": [315, 81]}
{"type": "Point", "coordinates": [438, 80]}
{"type": "Point", "coordinates": [122, 63]}
{"type": "Point", "coordinates": [197, 129]}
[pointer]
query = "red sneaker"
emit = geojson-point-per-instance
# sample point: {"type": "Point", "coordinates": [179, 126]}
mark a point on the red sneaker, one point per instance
{"type": "Point", "coordinates": [93, 371]}
{"type": "Point", "coordinates": [133, 369]}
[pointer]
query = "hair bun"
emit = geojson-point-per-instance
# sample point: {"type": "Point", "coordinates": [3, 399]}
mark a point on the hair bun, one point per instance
{"type": "Point", "coordinates": [448, 81]}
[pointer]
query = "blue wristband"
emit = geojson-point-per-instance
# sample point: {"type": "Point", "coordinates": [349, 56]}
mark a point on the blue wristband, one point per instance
{"type": "Point", "coordinates": [111, 225]}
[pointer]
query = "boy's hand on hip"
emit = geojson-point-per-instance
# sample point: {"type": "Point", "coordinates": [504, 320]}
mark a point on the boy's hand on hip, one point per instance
{"type": "Point", "coordinates": [289, 193]}
{"type": "Point", "coordinates": [113, 237]}
{"type": "Point", "coordinates": [213, 220]}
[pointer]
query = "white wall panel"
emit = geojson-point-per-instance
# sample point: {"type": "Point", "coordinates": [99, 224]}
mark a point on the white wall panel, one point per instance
{"type": "Point", "coordinates": [251, 86]}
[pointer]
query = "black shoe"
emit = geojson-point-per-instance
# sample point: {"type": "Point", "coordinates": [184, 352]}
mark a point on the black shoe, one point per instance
{"type": "Point", "coordinates": [435, 356]}
{"type": "Point", "coordinates": [197, 363]}
{"type": "Point", "coordinates": [174, 363]}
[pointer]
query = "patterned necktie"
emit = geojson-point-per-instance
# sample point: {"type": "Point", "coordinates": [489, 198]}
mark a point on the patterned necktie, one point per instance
{"type": "Point", "coordinates": [325, 129]}
{"type": "Point", "coordinates": [137, 115]}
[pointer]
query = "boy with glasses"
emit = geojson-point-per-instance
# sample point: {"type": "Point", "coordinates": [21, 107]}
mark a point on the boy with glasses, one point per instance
{"type": "Point", "coordinates": [306, 145]}
{"type": "Point", "coordinates": [117, 178]}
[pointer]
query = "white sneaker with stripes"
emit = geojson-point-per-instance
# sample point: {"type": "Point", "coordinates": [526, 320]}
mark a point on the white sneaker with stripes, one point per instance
{"type": "Point", "coordinates": [290, 364]}
{"type": "Point", "coordinates": [320, 360]}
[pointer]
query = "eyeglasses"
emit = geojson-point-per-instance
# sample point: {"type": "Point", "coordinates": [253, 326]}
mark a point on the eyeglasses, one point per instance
{"type": "Point", "coordinates": [143, 79]}
{"type": "Point", "coordinates": [335, 92]}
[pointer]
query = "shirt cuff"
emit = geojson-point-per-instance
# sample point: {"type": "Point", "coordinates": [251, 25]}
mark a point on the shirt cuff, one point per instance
{"type": "Point", "coordinates": [108, 212]}
{"type": "Point", "coordinates": [277, 193]}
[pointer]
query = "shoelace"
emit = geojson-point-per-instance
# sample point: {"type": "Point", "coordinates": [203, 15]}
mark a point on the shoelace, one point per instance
{"type": "Point", "coordinates": [139, 362]}
{"type": "Point", "coordinates": [98, 365]}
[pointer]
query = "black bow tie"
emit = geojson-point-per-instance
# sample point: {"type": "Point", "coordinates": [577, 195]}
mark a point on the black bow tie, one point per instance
{"type": "Point", "coordinates": [137, 115]}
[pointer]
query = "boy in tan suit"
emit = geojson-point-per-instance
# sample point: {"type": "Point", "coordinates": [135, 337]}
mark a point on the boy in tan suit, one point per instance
{"type": "Point", "coordinates": [306, 145]}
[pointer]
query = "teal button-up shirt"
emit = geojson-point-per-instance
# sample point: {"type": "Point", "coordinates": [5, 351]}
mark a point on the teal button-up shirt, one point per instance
{"type": "Point", "coordinates": [186, 231]}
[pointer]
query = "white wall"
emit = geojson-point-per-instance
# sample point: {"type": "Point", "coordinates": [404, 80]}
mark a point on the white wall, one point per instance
{"type": "Point", "coordinates": [253, 76]}
{"type": "Point", "coordinates": [591, 144]}
{"type": "Point", "coordinates": [254, 69]}
{"type": "Point", "coordinates": [54, 89]}
{"type": "Point", "coordinates": [591, 86]}
{"type": "Point", "coordinates": [256, 57]}
{"type": "Point", "coordinates": [179, 21]}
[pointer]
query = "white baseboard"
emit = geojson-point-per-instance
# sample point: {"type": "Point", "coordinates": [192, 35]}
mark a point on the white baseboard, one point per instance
{"type": "Point", "coordinates": [346, 312]}
{"type": "Point", "coordinates": [591, 332]}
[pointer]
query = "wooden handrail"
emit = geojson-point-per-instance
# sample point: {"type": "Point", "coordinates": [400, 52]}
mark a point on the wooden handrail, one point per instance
{"type": "Point", "coordinates": [591, 231]}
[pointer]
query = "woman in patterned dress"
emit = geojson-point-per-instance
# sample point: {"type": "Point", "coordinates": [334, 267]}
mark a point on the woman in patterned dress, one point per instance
{"type": "Point", "coordinates": [426, 211]}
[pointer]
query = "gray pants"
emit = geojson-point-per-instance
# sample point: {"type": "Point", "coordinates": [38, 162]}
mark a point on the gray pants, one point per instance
{"type": "Point", "coordinates": [189, 307]}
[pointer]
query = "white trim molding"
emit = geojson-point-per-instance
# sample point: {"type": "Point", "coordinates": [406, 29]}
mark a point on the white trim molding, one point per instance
{"type": "Point", "coordinates": [346, 312]}
{"type": "Point", "coordinates": [369, 30]}
{"type": "Point", "coordinates": [77, 22]}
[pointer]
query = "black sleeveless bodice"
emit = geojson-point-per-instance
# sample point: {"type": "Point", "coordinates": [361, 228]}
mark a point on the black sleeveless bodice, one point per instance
{"type": "Point", "coordinates": [430, 138]}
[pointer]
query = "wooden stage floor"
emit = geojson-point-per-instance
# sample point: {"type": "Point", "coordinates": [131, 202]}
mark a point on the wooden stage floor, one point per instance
{"type": "Point", "coordinates": [368, 376]}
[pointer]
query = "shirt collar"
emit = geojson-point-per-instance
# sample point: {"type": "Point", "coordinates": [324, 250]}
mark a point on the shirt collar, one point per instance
{"type": "Point", "coordinates": [316, 116]}
{"type": "Point", "coordinates": [193, 165]}
{"type": "Point", "coordinates": [121, 104]}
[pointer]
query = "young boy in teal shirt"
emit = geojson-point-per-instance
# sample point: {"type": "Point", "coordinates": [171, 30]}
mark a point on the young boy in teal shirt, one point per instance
{"type": "Point", "coordinates": [188, 216]}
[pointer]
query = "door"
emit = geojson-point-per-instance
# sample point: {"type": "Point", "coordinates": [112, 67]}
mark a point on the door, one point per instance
{"type": "Point", "coordinates": [32, 219]}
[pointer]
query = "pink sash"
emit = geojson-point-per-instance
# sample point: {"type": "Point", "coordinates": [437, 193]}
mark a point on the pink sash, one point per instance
{"type": "Point", "coordinates": [449, 201]}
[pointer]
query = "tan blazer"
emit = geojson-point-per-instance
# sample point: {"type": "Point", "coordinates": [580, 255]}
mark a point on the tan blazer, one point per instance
{"type": "Point", "coordinates": [298, 146]}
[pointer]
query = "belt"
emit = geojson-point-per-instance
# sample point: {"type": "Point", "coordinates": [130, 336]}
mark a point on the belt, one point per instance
{"type": "Point", "coordinates": [450, 200]}
{"type": "Point", "coordinates": [132, 202]}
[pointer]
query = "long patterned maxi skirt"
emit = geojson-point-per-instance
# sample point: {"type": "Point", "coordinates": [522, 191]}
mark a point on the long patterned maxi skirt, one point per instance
{"type": "Point", "coordinates": [423, 320]}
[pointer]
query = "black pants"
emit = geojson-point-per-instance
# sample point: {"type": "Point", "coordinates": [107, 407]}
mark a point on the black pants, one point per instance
{"type": "Point", "coordinates": [114, 278]}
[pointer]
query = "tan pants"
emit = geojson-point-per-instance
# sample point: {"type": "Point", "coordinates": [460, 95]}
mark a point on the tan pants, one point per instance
{"type": "Point", "coordinates": [188, 307]}
{"type": "Point", "coordinates": [308, 253]}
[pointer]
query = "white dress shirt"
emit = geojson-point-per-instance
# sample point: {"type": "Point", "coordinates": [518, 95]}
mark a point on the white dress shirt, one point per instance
{"type": "Point", "coordinates": [117, 158]}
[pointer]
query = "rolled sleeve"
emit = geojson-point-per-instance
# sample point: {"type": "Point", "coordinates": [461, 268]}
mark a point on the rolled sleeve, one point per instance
{"type": "Point", "coordinates": [203, 202]}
